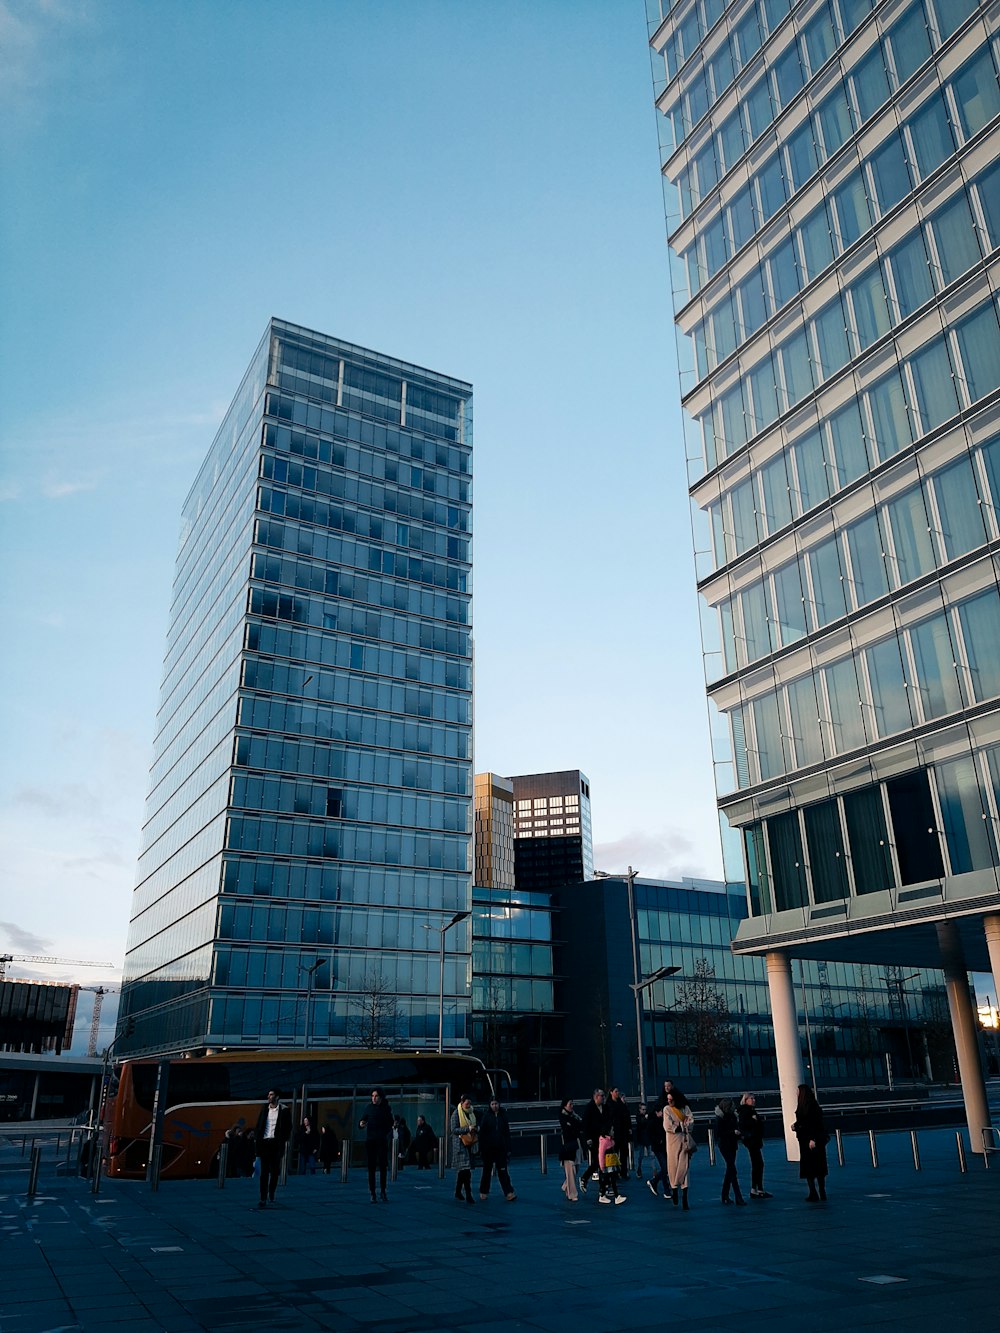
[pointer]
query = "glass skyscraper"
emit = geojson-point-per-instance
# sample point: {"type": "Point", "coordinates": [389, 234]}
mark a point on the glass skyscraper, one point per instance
{"type": "Point", "coordinates": [833, 202]}
{"type": "Point", "coordinates": [309, 822]}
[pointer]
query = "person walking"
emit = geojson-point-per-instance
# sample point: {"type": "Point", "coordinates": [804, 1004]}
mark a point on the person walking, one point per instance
{"type": "Point", "coordinates": [570, 1129]}
{"type": "Point", "coordinates": [424, 1144]}
{"type": "Point", "coordinates": [329, 1147]}
{"type": "Point", "coordinates": [752, 1138]}
{"type": "Point", "coordinates": [274, 1129]}
{"type": "Point", "coordinates": [595, 1121]}
{"type": "Point", "coordinates": [621, 1118]}
{"type": "Point", "coordinates": [377, 1124]}
{"type": "Point", "coordinates": [678, 1127]}
{"type": "Point", "coordinates": [402, 1136]}
{"type": "Point", "coordinates": [727, 1138]}
{"type": "Point", "coordinates": [658, 1147]}
{"type": "Point", "coordinates": [494, 1148]}
{"type": "Point", "coordinates": [641, 1141]}
{"type": "Point", "coordinates": [307, 1146]}
{"type": "Point", "coordinates": [810, 1130]}
{"type": "Point", "coordinates": [464, 1143]}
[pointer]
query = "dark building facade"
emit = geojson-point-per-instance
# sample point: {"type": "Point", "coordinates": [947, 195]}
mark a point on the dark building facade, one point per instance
{"type": "Point", "coordinates": [553, 841]}
{"type": "Point", "coordinates": [37, 1016]}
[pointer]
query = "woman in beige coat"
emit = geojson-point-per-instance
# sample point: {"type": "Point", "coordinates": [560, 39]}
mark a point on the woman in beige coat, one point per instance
{"type": "Point", "coordinates": [678, 1123]}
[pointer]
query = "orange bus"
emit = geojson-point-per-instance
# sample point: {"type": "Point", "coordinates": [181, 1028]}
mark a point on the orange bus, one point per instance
{"type": "Point", "coordinates": [210, 1094]}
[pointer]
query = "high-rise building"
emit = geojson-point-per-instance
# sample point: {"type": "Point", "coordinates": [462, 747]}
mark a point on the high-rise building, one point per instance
{"type": "Point", "coordinates": [309, 823]}
{"type": "Point", "coordinates": [833, 206]}
{"type": "Point", "coordinates": [494, 861]}
{"type": "Point", "coordinates": [553, 842]}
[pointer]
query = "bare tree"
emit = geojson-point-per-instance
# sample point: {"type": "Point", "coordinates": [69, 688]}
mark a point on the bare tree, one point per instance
{"type": "Point", "coordinates": [372, 1026]}
{"type": "Point", "coordinates": [703, 1027]}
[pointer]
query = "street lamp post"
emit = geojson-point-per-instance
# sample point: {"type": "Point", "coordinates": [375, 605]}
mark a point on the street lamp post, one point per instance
{"type": "Point", "coordinates": [311, 985]}
{"type": "Point", "coordinates": [442, 931]}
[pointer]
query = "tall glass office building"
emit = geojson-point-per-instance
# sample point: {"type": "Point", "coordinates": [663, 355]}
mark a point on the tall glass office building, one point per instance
{"type": "Point", "coordinates": [309, 823]}
{"type": "Point", "coordinates": [833, 202]}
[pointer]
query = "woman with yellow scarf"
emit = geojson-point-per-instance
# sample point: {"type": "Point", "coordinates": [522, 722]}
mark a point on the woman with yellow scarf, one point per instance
{"type": "Point", "coordinates": [465, 1140]}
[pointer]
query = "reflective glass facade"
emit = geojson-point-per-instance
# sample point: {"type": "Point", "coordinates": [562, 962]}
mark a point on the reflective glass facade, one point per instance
{"type": "Point", "coordinates": [311, 787]}
{"type": "Point", "coordinates": [832, 174]}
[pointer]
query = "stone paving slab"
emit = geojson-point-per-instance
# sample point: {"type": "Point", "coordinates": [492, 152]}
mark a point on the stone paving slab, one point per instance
{"type": "Point", "coordinates": [192, 1258]}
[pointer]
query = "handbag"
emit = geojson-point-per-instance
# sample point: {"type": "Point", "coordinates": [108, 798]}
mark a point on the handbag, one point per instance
{"type": "Point", "coordinates": [690, 1146]}
{"type": "Point", "coordinates": [470, 1138]}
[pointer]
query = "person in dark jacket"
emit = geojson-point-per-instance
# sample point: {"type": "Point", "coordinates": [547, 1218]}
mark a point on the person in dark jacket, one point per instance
{"type": "Point", "coordinates": [810, 1130]}
{"type": "Point", "coordinates": [727, 1139]}
{"type": "Point", "coordinates": [274, 1129]}
{"type": "Point", "coordinates": [424, 1144]}
{"type": "Point", "coordinates": [752, 1138]}
{"type": "Point", "coordinates": [403, 1137]}
{"type": "Point", "coordinates": [329, 1148]}
{"type": "Point", "coordinates": [596, 1120]}
{"type": "Point", "coordinates": [641, 1141]}
{"type": "Point", "coordinates": [494, 1148]}
{"type": "Point", "coordinates": [621, 1118]}
{"type": "Point", "coordinates": [377, 1124]}
{"type": "Point", "coordinates": [658, 1147]}
{"type": "Point", "coordinates": [570, 1129]}
{"type": "Point", "coordinates": [307, 1146]}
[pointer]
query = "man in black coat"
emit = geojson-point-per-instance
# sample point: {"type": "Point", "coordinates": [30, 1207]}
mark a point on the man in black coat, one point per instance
{"type": "Point", "coordinates": [596, 1120]}
{"type": "Point", "coordinates": [621, 1118]}
{"type": "Point", "coordinates": [377, 1124]}
{"type": "Point", "coordinates": [274, 1129]}
{"type": "Point", "coordinates": [424, 1144]}
{"type": "Point", "coordinates": [494, 1147]}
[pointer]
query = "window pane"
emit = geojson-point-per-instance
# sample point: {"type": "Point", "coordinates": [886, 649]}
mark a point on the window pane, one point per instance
{"type": "Point", "coordinates": [707, 169]}
{"type": "Point", "coordinates": [789, 604]}
{"type": "Point", "coordinates": [991, 457]}
{"type": "Point", "coordinates": [775, 496]}
{"type": "Point", "coordinates": [733, 421]}
{"type": "Point", "coordinates": [853, 13]}
{"type": "Point", "coordinates": [868, 838]}
{"type": "Point", "coordinates": [950, 14]}
{"type": "Point", "coordinates": [810, 471]}
{"type": "Point", "coordinates": [756, 621]}
{"type": "Point", "coordinates": [817, 243]}
{"type": "Point", "coordinates": [846, 717]}
{"type": "Point", "coordinates": [771, 187]}
{"type": "Point", "coordinates": [911, 536]}
{"type": "Point", "coordinates": [850, 453]}
{"type": "Point", "coordinates": [868, 576]}
{"type": "Point", "coordinates": [958, 505]}
{"type": "Point", "coordinates": [836, 122]}
{"type": "Point", "coordinates": [832, 348]}
{"type": "Point", "coordinates": [721, 68]}
{"type": "Point", "coordinates": [827, 864]}
{"type": "Point", "coordinates": [889, 415]}
{"type": "Point", "coordinates": [980, 620]}
{"type": "Point", "coordinates": [757, 882]}
{"type": "Point", "coordinates": [955, 237]}
{"type": "Point", "coordinates": [784, 842]}
{"type": "Point", "coordinates": [784, 273]}
{"type": "Point", "coordinates": [764, 393]}
{"type": "Point", "coordinates": [744, 518]}
{"type": "Point", "coordinates": [796, 368]}
{"type": "Point", "coordinates": [976, 92]}
{"type": "Point", "coordinates": [738, 722]}
{"type": "Point", "coordinates": [742, 215]}
{"type": "Point", "coordinates": [748, 37]}
{"type": "Point", "coordinates": [753, 302]}
{"type": "Point", "coordinates": [930, 134]}
{"type": "Point", "coordinates": [852, 210]}
{"type": "Point", "coordinates": [937, 399]}
{"type": "Point", "coordinates": [979, 342]}
{"type": "Point", "coordinates": [821, 40]}
{"type": "Point", "coordinates": [788, 75]}
{"type": "Point", "coordinates": [770, 755]}
{"type": "Point", "coordinates": [870, 306]}
{"type": "Point", "coordinates": [988, 186]}
{"type": "Point", "coordinates": [909, 43]}
{"type": "Point", "coordinates": [911, 275]}
{"type": "Point", "coordinates": [968, 834]}
{"type": "Point", "coordinates": [801, 154]}
{"type": "Point", "coordinates": [804, 713]}
{"type": "Point", "coordinates": [871, 83]}
{"type": "Point", "coordinates": [829, 598]}
{"type": "Point", "coordinates": [760, 113]}
{"type": "Point", "coordinates": [890, 697]}
{"type": "Point", "coordinates": [724, 329]}
{"type": "Point", "coordinates": [914, 828]}
{"type": "Point", "coordinates": [934, 659]}
{"type": "Point", "coordinates": [731, 139]}
{"type": "Point", "coordinates": [890, 174]}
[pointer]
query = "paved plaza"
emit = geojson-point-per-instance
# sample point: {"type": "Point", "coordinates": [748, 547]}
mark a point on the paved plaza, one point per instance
{"type": "Point", "coordinates": [891, 1247]}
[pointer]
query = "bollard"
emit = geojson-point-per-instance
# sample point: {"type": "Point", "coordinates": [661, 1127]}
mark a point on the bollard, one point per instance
{"type": "Point", "coordinates": [58, 1144]}
{"type": "Point", "coordinates": [94, 1160]}
{"type": "Point", "coordinates": [916, 1149]}
{"type": "Point", "coordinates": [961, 1151]}
{"type": "Point", "coordinates": [840, 1147]}
{"type": "Point", "coordinates": [871, 1140]}
{"type": "Point", "coordinates": [223, 1163]}
{"type": "Point", "coordinates": [23, 1142]}
{"type": "Point", "coordinates": [544, 1160]}
{"type": "Point", "coordinates": [285, 1157]}
{"type": "Point", "coordinates": [394, 1163]}
{"type": "Point", "coordinates": [154, 1166]}
{"type": "Point", "coordinates": [36, 1161]}
{"type": "Point", "coordinates": [442, 1157]}
{"type": "Point", "coordinates": [345, 1160]}
{"type": "Point", "coordinates": [711, 1147]}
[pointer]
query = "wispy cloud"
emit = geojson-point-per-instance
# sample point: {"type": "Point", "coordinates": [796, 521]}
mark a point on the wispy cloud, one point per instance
{"type": "Point", "coordinates": [669, 854]}
{"type": "Point", "coordinates": [58, 490]}
{"type": "Point", "coordinates": [9, 490]}
{"type": "Point", "coordinates": [56, 802]}
{"type": "Point", "coordinates": [23, 940]}
{"type": "Point", "coordinates": [29, 30]}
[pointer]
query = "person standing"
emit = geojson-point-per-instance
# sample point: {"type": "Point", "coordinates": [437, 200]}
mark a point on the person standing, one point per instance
{"type": "Point", "coordinates": [621, 1118]}
{"type": "Point", "coordinates": [377, 1124]}
{"type": "Point", "coordinates": [424, 1144]}
{"type": "Point", "coordinates": [727, 1138]}
{"type": "Point", "coordinates": [274, 1129]}
{"type": "Point", "coordinates": [810, 1130]}
{"type": "Point", "coordinates": [678, 1127]}
{"type": "Point", "coordinates": [329, 1147]}
{"type": "Point", "coordinates": [641, 1141]}
{"type": "Point", "coordinates": [752, 1138]}
{"type": "Point", "coordinates": [494, 1148]}
{"type": "Point", "coordinates": [307, 1145]}
{"type": "Point", "coordinates": [465, 1139]}
{"type": "Point", "coordinates": [570, 1128]}
{"type": "Point", "coordinates": [402, 1136]}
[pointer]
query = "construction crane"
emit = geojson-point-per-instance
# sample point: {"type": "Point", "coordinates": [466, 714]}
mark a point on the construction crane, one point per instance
{"type": "Point", "coordinates": [6, 958]}
{"type": "Point", "coordinates": [99, 993]}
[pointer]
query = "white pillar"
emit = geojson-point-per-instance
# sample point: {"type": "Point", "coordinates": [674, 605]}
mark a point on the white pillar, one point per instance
{"type": "Point", "coordinates": [787, 1046]}
{"type": "Point", "coordinates": [991, 925]}
{"type": "Point", "coordinates": [964, 1029]}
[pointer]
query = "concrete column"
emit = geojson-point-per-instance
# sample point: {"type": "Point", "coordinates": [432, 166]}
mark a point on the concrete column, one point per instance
{"type": "Point", "coordinates": [964, 1028]}
{"type": "Point", "coordinates": [991, 925]}
{"type": "Point", "coordinates": [787, 1046]}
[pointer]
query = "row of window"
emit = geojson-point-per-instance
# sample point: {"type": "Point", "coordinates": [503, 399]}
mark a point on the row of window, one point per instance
{"type": "Point", "coordinates": [511, 922]}
{"type": "Point", "coordinates": [510, 959]}
{"type": "Point", "coordinates": [911, 829]}
{"type": "Point", "coordinates": [253, 791]}
{"type": "Point", "coordinates": [325, 722]}
{"type": "Point", "coordinates": [943, 377]}
{"type": "Point", "coordinates": [970, 100]}
{"type": "Point", "coordinates": [293, 924]}
{"type": "Point", "coordinates": [351, 764]}
{"type": "Point", "coordinates": [376, 659]}
{"type": "Point", "coordinates": [924, 671]}
{"type": "Point", "coordinates": [885, 67]}
{"type": "Point", "coordinates": [945, 515]}
{"type": "Point", "coordinates": [271, 1020]}
{"type": "Point", "coordinates": [382, 402]}
{"type": "Point", "coordinates": [316, 881]}
{"type": "Point", "coordinates": [505, 995]}
{"type": "Point", "coordinates": [890, 290]}
{"type": "Point", "coordinates": [358, 691]}
{"type": "Point", "coordinates": [334, 842]}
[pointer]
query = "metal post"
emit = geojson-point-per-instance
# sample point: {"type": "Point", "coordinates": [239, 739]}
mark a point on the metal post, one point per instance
{"type": "Point", "coordinates": [442, 1157]}
{"type": "Point", "coordinates": [345, 1160]}
{"type": "Point", "coordinates": [916, 1149]}
{"type": "Point", "coordinates": [394, 1164]}
{"type": "Point", "coordinates": [871, 1140]}
{"type": "Point", "coordinates": [541, 1152]}
{"type": "Point", "coordinates": [636, 988]}
{"type": "Point", "coordinates": [285, 1158]}
{"type": "Point", "coordinates": [36, 1161]}
{"type": "Point", "coordinates": [840, 1147]}
{"type": "Point", "coordinates": [987, 1145]}
{"type": "Point", "coordinates": [711, 1146]}
{"type": "Point", "coordinates": [153, 1171]}
{"type": "Point", "coordinates": [961, 1151]}
{"type": "Point", "coordinates": [223, 1163]}
{"type": "Point", "coordinates": [94, 1160]}
{"type": "Point", "coordinates": [805, 1015]}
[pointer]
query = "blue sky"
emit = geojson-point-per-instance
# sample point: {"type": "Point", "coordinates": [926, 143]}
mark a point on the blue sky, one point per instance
{"type": "Point", "coordinates": [473, 187]}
